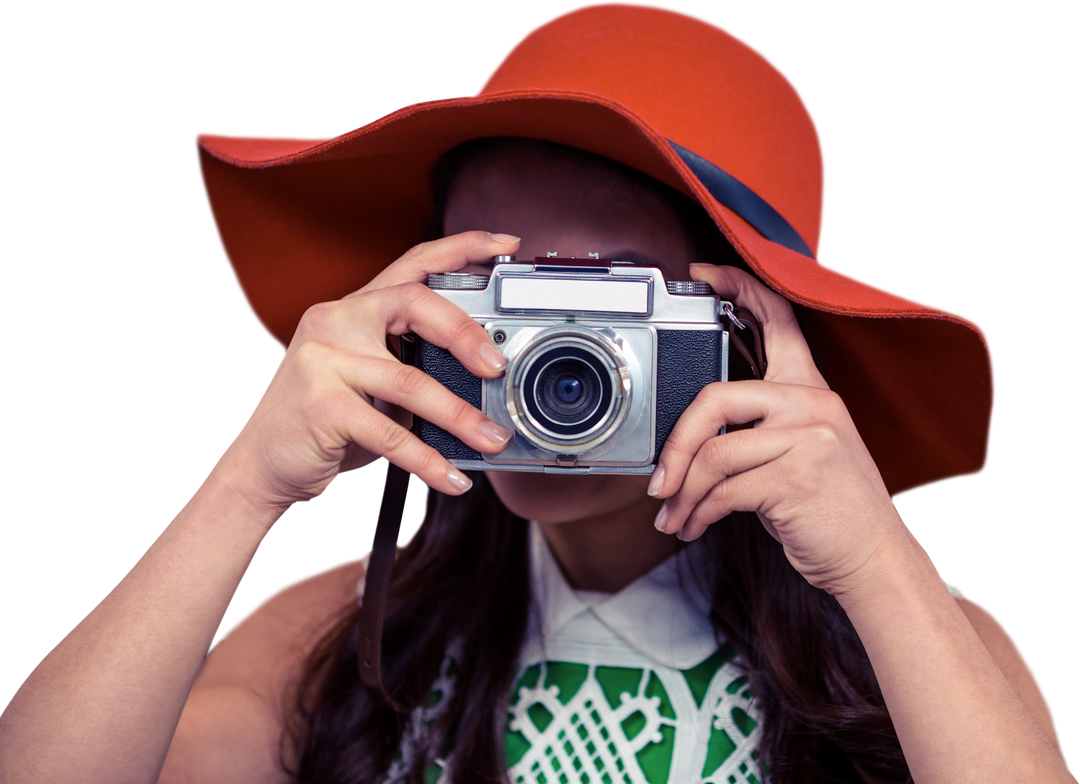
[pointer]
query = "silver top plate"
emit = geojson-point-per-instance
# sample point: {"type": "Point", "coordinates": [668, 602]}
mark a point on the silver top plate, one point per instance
{"type": "Point", "coordinates": [630, 296]}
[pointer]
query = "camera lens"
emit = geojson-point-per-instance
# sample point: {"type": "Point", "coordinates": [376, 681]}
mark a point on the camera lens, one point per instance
{"type": "Point", "coordinates": [568, 390]}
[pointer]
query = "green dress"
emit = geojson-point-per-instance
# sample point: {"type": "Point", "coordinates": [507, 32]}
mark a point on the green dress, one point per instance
{"type": "Point", "coordinates": [625, 688]}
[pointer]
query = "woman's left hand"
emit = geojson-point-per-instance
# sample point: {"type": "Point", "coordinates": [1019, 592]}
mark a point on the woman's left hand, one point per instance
{"type": "Point", "coordinates": [803, 466]}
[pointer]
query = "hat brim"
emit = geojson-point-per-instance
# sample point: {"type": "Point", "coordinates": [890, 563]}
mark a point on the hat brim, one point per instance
{"type": "Point", "coordinates": [306, 222]}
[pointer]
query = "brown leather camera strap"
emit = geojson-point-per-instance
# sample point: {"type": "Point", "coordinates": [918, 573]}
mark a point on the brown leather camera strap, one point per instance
{"type": "Point", "coordinates": [377, 581]}
{"type": "Point", "coordinates": [384, 549]}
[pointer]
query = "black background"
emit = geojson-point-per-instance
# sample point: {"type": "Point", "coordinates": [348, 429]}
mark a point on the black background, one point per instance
{"type": "Point", "coordinates": [133, 363]}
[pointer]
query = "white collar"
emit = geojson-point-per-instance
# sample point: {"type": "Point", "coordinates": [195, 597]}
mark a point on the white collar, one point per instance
{"type": "Point", "coordinates": [660, 616]}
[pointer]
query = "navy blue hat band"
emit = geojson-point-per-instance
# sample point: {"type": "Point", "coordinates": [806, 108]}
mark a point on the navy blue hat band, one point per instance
{"type": "Point", "coordinates": [738, 198]}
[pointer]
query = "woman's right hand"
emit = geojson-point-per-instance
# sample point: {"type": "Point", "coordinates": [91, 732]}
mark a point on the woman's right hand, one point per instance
{"type": "Point", "coordinates": [340, 399]}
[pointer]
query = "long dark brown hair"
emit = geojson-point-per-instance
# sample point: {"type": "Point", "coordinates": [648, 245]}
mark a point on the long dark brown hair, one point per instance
{"type": "Point", "coordinates": [463, 581]}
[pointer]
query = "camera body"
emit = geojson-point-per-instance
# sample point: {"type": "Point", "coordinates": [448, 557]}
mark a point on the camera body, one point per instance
{"type": "Point", "coordinates": [604, 356]}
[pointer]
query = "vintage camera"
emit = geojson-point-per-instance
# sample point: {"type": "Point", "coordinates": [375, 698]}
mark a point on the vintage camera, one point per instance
{"type": "Point", "coordinates": [603, 358]}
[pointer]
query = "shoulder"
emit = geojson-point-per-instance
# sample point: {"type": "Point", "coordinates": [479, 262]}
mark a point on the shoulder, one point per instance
{"type": "Point", "coordinates": [1005, 653]}
{"type": "Point", "coordinates": [232, 723]}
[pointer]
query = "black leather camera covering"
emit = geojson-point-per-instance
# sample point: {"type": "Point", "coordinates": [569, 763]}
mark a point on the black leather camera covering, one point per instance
{"type": "Point", "coordinates": [686, 361]}
{"type": "Point", "coordinates": [443, 366]}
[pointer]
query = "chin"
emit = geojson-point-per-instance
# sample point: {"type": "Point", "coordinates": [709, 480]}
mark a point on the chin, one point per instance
{"type": "Point", "coordinates": [564, 499]}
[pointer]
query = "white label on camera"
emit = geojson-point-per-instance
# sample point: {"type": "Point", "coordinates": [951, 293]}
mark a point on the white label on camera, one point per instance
{"type": "Point", "coordinates": [577, 294]}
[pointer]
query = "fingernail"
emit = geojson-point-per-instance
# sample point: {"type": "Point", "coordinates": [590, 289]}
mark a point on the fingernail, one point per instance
{"type": "Point", "coordinates": [493, 432]}
{"type": "Point", "coordinates": [505, 239]}
{"type": "Point", "coordinates": [458, 480]}
{"type": "Point", "coordinates": [656, 484]}
{"type": "Point", "coordinates": [661, 519]}
{"type": "Point", "coordinates": [492, 357]}
{"type": "Point", "coordinates": [701, 264]}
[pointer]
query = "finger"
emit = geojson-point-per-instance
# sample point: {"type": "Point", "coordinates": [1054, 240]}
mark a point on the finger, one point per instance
{"type": "Point", "coordinates": [359, 325]}
{"type": "Point", "coordinates": [380, 435]}
{"type": "Point", "coordinates": [789, 357]}
{"type": "Point", "coordinates": [413, 390]}
{"type": "Point", "coordinates": [716, 462]}
{"type": "Point", "coordinates": [357, 457]}
{"type": "Point", "coordinates": [722, 403]}
{"type": "Point", "coordinates": [448, 254]}
{"type": "Point", "coordinates": [718, 404]}
{"type": "Point", "coordinates": [400, 415]}
{"type": "Point", "coordinates": [745, 492]}
{"type": "Point", "coordinates": [416, 308]}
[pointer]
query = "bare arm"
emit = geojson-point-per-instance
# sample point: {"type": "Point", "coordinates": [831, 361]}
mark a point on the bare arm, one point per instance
{"type": "Point", "coordinates": [103, 706]}
{"type": "Point", "coordinates": [958, 715]}
{"type": "Point", "coordinates": [232, 724]}
{"type": "Point", "coordinates": [1012, 666]}
{"type": "Point", "coordinates": [803, 468]}
{"type": "Point", "coordinates": [113, 690]}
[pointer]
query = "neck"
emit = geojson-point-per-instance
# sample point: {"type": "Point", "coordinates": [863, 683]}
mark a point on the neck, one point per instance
{"type": "Point", "coordinates": [607, 552]}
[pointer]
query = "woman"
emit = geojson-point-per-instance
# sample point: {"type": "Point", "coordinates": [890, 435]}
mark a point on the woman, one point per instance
{"type": "Point", "coordinates": [804, 469]}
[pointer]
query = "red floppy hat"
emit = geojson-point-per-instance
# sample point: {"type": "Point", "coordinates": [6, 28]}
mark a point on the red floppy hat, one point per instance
{"type": "Point", "coordinates": [310, 221]}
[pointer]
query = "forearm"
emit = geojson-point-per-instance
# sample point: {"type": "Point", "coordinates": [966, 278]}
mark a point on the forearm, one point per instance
{"type": "Point", "coordinates": [104, 703]}
{"type": "Point", "coordinates": [957, 717]}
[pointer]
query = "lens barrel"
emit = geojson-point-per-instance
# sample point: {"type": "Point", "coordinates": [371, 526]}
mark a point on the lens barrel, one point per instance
{"type": "Point", "coordinates": [568, 389]}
